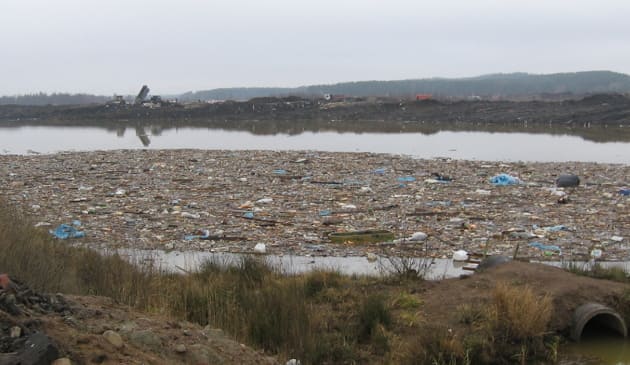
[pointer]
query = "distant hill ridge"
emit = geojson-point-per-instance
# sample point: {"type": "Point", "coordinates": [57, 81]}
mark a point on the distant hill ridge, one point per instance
{"type": "Point", "coordinates": [501, 85]}
{"type": "Point", "coordinates": [508, 85]}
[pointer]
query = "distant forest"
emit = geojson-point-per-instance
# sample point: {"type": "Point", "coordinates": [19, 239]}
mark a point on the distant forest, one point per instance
{"type": "Point", "coordinates": [53, 99]}
{"type": "Point", "coordinates": [501, 86]}
{"type": "Point", "coordinates": [489, 86]}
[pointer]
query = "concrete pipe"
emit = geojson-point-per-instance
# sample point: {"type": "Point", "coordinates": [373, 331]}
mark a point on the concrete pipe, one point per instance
{"type": "Point", "coordinates": [599, 314]}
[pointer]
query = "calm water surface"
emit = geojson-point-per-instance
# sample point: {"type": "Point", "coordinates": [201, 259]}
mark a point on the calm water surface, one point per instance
{"type": "Point", "coordinates": [487, 146]}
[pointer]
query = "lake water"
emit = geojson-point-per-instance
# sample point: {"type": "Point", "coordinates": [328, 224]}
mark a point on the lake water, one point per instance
{"type": "Point", "coordinates": [474, 145]}
{"type": "Point", "coordinates": [292, 264]}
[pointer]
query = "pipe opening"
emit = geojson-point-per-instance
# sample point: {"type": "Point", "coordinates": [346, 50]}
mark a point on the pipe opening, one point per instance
{"type": "Point", "coordinates": [593, 320]}
{"type": "Point", "coordinates": [602, 325]}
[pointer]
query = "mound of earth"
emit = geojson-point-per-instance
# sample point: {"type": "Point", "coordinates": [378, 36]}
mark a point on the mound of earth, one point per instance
{"type": "Point", "coordinates": [568, 291]}
{"type": "Point", "coordinates": [43, 329]}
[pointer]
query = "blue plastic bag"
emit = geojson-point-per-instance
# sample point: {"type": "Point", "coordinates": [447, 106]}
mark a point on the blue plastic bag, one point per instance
{"type": "Point", "coordinates": [540, 246]}
{"type": "Point", "coordinates": [64, 231]}
{"type": "Point", "coordinates": [504, 180]}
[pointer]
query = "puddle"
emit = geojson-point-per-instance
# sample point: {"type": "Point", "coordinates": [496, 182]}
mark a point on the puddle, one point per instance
{"type": "Point", "coordinates": [351, 265]}
{"type": "Point", "coordinates": [602, 348]}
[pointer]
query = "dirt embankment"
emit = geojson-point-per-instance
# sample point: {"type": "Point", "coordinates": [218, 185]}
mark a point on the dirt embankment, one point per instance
{"type": "Point", "coordinates": [41, 328]}
{"type": "Point", "coordinates": [594, 110]}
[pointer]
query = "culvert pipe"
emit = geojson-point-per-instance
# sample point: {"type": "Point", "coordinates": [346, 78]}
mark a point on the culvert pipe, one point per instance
{"type": "Point", "coordinates": [605, 317]}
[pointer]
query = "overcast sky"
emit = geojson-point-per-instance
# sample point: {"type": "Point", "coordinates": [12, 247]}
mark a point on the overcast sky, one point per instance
{"type": "Point", "coordinates": [115, 46]}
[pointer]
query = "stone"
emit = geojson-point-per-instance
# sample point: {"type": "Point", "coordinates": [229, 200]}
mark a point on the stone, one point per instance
{"type": "Point", "coordinates": [38, 350]}
{"type": "Point", "coordinates": [199, 354]}
{"type": "Point", "coordinates": [180, 348]}
{"type": "Point", "coordinates": [113, 338]}
{"type": "Point", "coordinates": [147, 339]}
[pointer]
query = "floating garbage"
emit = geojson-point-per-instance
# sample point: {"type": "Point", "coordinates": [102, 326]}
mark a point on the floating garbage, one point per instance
{"type": "Point", "coordinates": [543, 247]}
{"type": "Point", "coordinates": [369, 236]}
{"type": "Point", "coordinates": [227, 189]}
{"type": "Point", "coordinates": [460, 255]}
{"type": "Point", "coordinates": [418, 236]}
{"type": "Point", "coordinates": [565, 181]}
{"type": "Point", "coordinates": [248, 215]}
{"type": "Point", "coordinates": [504, 180]}
{"type": "Point", "coordinates": [202, 234]}
{"type": "Point", "coordinates": [557, 228]}
{"type": "Point", "coordinates": [65, 231]}
{"type": "Point", "coordinates": [406, 179]}
{"type": "Point", "coordinates": [441, 178]}
{"type": "Point", "coordinates": [260, 248]}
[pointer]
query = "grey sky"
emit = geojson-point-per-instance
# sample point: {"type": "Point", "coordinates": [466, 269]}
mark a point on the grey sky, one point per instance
{"type": "Point", "coordinates": [115, 46]}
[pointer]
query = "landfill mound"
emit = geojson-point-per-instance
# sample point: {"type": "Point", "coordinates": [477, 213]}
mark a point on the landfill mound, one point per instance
{"type": "Point", "coordinates": [323, 204]}
{"type": "Point", "coordinates": [38, 328]}
{"type": "Point", "coordinates": [600, 109]}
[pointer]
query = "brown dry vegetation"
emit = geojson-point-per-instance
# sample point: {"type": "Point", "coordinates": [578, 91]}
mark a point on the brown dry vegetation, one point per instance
{"type": "Point", "coordinates": [513, 314]}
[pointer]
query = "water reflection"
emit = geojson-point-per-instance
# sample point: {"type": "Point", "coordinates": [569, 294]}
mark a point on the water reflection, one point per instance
{"type": "Point", "coordinates": [430, 142]}
{"type": "Point", "coordinates": [142, 135]}
{"type": "Point", "coordinates": [352, 265]}
{"type": "Point", "coordinates": [601, 349]}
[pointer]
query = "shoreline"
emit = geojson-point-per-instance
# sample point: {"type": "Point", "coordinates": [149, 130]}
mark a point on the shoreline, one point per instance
{"type": "Point", "coordinates": [292, 200]}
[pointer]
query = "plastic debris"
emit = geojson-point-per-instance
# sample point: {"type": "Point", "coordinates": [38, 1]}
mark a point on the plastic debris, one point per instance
{"type": "Point", "coordinates": [248, 215]}
{"type": "Point", "coordinates": [406, 179]}
{"type": "Point", "coordinates": [65, 231]}
{"type": "Point", "coordinates": [543, 247]}
{"type": "Point", "coordinates": [202, 234]}
{"type": "Point", "coordinates": [616, 238]}
{"type": "Point", "coordinates": [418, 236]}
{"type": "Point", "coordinates": [460, 255]}
{"type": "Point", "coordinates": [624, 192]}
{"type": "Point", "coordinates": [441, 178]}
{"type": "Point", "coordinates": [596, 253]}
{"type": "Point", "coordinates": [260, 248]}
{"type": "Point", "coordinates": [280, 172]}
{"type": "Point", "coordinates": [557, 228]}
{"type": "Point", "coordinates": [163, 186]}
{"type": "Point", "coordinates": [379, 171]}
{"type": "Point", "coordinates": [504, 180]}
{"type": "Point", "coordinates": [565, 181]}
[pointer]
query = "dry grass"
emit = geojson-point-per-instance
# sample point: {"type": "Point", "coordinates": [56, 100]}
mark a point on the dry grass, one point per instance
{"type": "Point", "coordinates": [517, 313]}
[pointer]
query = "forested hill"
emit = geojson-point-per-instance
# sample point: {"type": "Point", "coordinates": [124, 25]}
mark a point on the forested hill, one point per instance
{"type": "Point", "coordinates": [496, 85]}
{"type": "Point", "coordinates": [53, 99]}
{"type": "Point", "coordinates": [512, 85]}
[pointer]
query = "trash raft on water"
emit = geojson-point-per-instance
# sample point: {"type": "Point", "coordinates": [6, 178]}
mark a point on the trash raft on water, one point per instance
{"type": "Point", "coordinates": [322, 204]}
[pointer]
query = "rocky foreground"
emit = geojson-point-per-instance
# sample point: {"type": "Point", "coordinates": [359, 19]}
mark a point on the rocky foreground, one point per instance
{"type": "Point", "coordinates": [291, 202]}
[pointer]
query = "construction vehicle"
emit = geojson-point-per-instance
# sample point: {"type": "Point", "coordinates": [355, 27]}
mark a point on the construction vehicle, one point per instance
{"type": "Point", "coordinates": [142, 95]}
